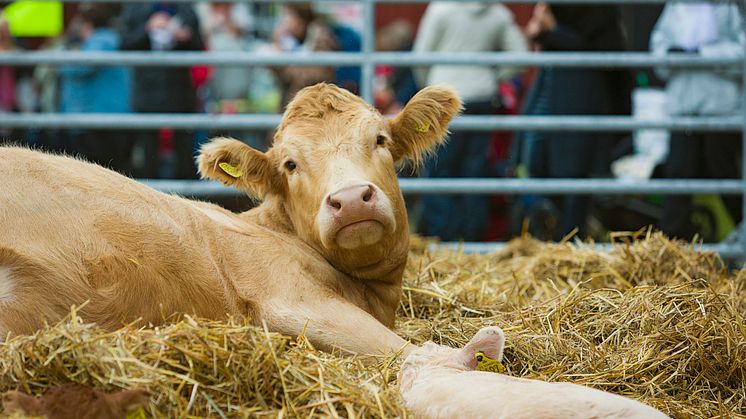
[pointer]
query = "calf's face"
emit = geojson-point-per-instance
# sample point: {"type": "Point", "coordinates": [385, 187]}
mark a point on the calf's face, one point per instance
{"type": "Point", "coordinates": [332, 168]}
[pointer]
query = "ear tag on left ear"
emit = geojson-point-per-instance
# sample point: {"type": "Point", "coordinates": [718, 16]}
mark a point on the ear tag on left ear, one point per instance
{"type": "Point", "coordinates": [230, 170]}
{"type": "Point", "coordinates": [488, 364]}
{"type": "Point", "coordinates": [424, 127]}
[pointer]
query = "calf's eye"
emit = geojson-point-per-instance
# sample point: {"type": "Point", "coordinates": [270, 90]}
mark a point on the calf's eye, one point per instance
{"type": "Point", "coordinates": [380, 140]}
{"type": "Point", "coordinates": [290, 165]}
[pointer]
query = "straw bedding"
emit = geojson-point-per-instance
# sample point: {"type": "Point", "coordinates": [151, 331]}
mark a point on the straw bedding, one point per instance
{"type": "Point", "coordinates": [650, 319]}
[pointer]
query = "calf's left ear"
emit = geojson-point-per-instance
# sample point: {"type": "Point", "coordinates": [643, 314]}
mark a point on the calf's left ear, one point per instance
{"type": "Point", "coordinates": [423, 124]}
{"type": "Point", "coordinates": [236, 164]}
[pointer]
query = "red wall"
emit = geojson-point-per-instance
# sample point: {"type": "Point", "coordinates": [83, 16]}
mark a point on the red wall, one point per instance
{"type": "Point", "coordinates": [388, 13]}
{"type": "Point", "coordinates": [412, 12]}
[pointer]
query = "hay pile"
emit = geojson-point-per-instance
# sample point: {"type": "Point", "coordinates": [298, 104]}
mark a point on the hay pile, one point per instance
{"type": "Point", "coordinates": [650, 319]}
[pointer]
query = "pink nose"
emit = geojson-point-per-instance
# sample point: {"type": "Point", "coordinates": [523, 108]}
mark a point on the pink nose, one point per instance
{"type": "Point", "coordinates": [352, 199]}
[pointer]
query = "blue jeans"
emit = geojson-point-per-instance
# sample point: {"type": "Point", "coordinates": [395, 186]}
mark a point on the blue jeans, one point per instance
{"type": "Point", "coordinates": [459, 217]}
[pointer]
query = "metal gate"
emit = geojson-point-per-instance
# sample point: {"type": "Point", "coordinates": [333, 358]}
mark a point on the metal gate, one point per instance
{"type": "Point", "coordinates": [368, 58]}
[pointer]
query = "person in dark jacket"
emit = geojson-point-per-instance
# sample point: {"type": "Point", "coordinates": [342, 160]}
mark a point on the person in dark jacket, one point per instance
{"type": "Point", "coordinates": [453, 27]}
{"type": "Point", "coordinates": [163, 27]}
{"type": "Point", "coordinates": [575, 91]}
{"type": "Point", "coordinates": [92, 89]}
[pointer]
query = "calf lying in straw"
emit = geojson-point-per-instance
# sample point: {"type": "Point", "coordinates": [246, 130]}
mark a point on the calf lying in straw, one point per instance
{"type": "Point", "coordinates": [75, 401]}
{"type": "Point", "coordinates": [440, 382]}
{"type": "Point", "coordinates": [323, 254]}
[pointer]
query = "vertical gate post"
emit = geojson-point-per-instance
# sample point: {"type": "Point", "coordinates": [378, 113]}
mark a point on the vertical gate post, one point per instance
{"type": "Point", "coordinates": [369, 46]}
{"type": "Point", "coordinates": [742, 233]}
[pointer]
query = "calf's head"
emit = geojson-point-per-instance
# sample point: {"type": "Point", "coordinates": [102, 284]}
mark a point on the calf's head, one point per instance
{"type": "Point", "coordinates": [331, 171]}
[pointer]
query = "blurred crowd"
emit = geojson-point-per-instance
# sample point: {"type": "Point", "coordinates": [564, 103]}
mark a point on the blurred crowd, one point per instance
{"type": "Point", "coordinates": [704, 28]}
{"type": "Point", "coordinates": [163, 26]}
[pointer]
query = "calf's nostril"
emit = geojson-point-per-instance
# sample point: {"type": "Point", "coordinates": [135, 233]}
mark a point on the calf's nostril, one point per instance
{"type": "Point", "coordinates": [333, 203]}
{"type": "Point", "coordinates": [368, 194]}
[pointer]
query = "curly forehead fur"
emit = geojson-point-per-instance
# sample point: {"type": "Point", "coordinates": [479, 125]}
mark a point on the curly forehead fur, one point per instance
{"type": "Point", "coordinates": [322, 101]}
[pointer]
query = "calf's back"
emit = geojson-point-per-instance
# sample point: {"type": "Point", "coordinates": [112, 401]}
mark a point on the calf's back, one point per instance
{"type": "Point", "coordinates": [76, 232]}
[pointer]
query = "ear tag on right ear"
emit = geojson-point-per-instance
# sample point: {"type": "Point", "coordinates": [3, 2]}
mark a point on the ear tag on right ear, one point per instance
{"type": "Point", "coordinates": [230, 170]}
{"type": "Point", "coordinates": [138, 413]}
{"type": "Point", "coordinates": [424, 127]}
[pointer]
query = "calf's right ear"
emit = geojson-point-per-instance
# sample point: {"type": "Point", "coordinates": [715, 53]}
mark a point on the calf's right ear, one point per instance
{"type": "Point", "coordinates": [236, 164]}
{"type": "Point", "coordinates": [489, 340]}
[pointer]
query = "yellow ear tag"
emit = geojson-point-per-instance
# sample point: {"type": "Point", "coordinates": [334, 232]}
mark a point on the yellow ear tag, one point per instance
{"type": "Point", "coordinates": [424, 127]}
{"type": "Point", "coordinates": [138, 413]}
{"type": "Point", "coordinates": [488, 364]}
{"type": "Point", "coordinates": [231, 170]}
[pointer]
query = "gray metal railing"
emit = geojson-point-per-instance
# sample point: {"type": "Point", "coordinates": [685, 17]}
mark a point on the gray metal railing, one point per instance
{"type": "Point", "coordinates": [269, 121]}
{"type": "Point", "coordinates": [189, 58]}
{"type": "Point", "coordinates": [481, 186]}
{"type": "Point", "coordinates": [727, 251]}
{"type": "Point", "coordinates": [367, 59]}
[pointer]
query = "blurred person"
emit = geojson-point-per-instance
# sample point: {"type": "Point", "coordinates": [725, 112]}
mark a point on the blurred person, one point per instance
{"type": "Point", "coordinates": [226, 27]}
{"type": "Point", "coordinates": [707, 29]}
{"type": "Point", "coordinates": [464, 27]}
{"type": "Point", "coordinates": [163, 26]}
{"type": "Point", "coordinates": [394, 85]}
{"type": "Point", "coordinates": [302, 30]}
{"type": "Point", "coordinates": [348, 40]}
{"type": "Point", "coordinates": [7, 77]}
{"type": "Point", "coordinates": [574, 91]}
{"type": "Point", "coordinates": [96, 89]}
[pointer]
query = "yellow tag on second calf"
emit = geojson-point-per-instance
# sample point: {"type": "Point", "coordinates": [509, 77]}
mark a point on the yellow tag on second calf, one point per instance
{"type": "Point", "coordinates": [488, 364]}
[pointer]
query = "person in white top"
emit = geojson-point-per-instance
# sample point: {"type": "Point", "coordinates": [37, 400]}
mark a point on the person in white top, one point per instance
{"type": "Point", "coordinates": [464, 27]}
{"type": "Point", "coordinates": [706, 29]}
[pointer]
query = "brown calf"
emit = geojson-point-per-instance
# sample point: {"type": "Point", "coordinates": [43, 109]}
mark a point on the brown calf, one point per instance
{"type": "Point", "coordinates": [326, 247]}
{"type": "Point", "coordinates": [75, 401]}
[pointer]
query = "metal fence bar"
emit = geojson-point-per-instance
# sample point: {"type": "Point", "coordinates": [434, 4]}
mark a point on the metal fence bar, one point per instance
{"type": "Point", "coordinates": [132, 121]}
{"type": "Point", "coordinates": [567, 186]}
{"type": "Point", "coordinates": [496, 186]}
{"type": "Point", "coordinates": [554, 59]}
{"type": "Point", "coordinates": [190, 58]}
{"type": "Point", "coordinates": [594, 123]}
{"type": "Point", "coordinates": [742, 232]}
{"type": "Point", "coordinates": [726, 251]}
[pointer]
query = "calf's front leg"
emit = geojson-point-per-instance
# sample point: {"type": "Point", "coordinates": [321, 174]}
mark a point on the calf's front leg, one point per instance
{"type": "Point", "coordinates": [335, 324]}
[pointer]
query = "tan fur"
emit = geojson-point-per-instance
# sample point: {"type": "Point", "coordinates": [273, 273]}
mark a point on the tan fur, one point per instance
{"type": "Point", "coordinates": [75, 401]}
{"type": "Point", "coordinates": [6, 286]}
{"type": "Point", "coordinates": [75, 232]}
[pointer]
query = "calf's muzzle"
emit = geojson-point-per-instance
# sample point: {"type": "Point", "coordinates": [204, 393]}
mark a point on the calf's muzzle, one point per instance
{"type": "Point", "coordinates": [357, 215]}
{"type": "Point", "coordinates": [352, 201]}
